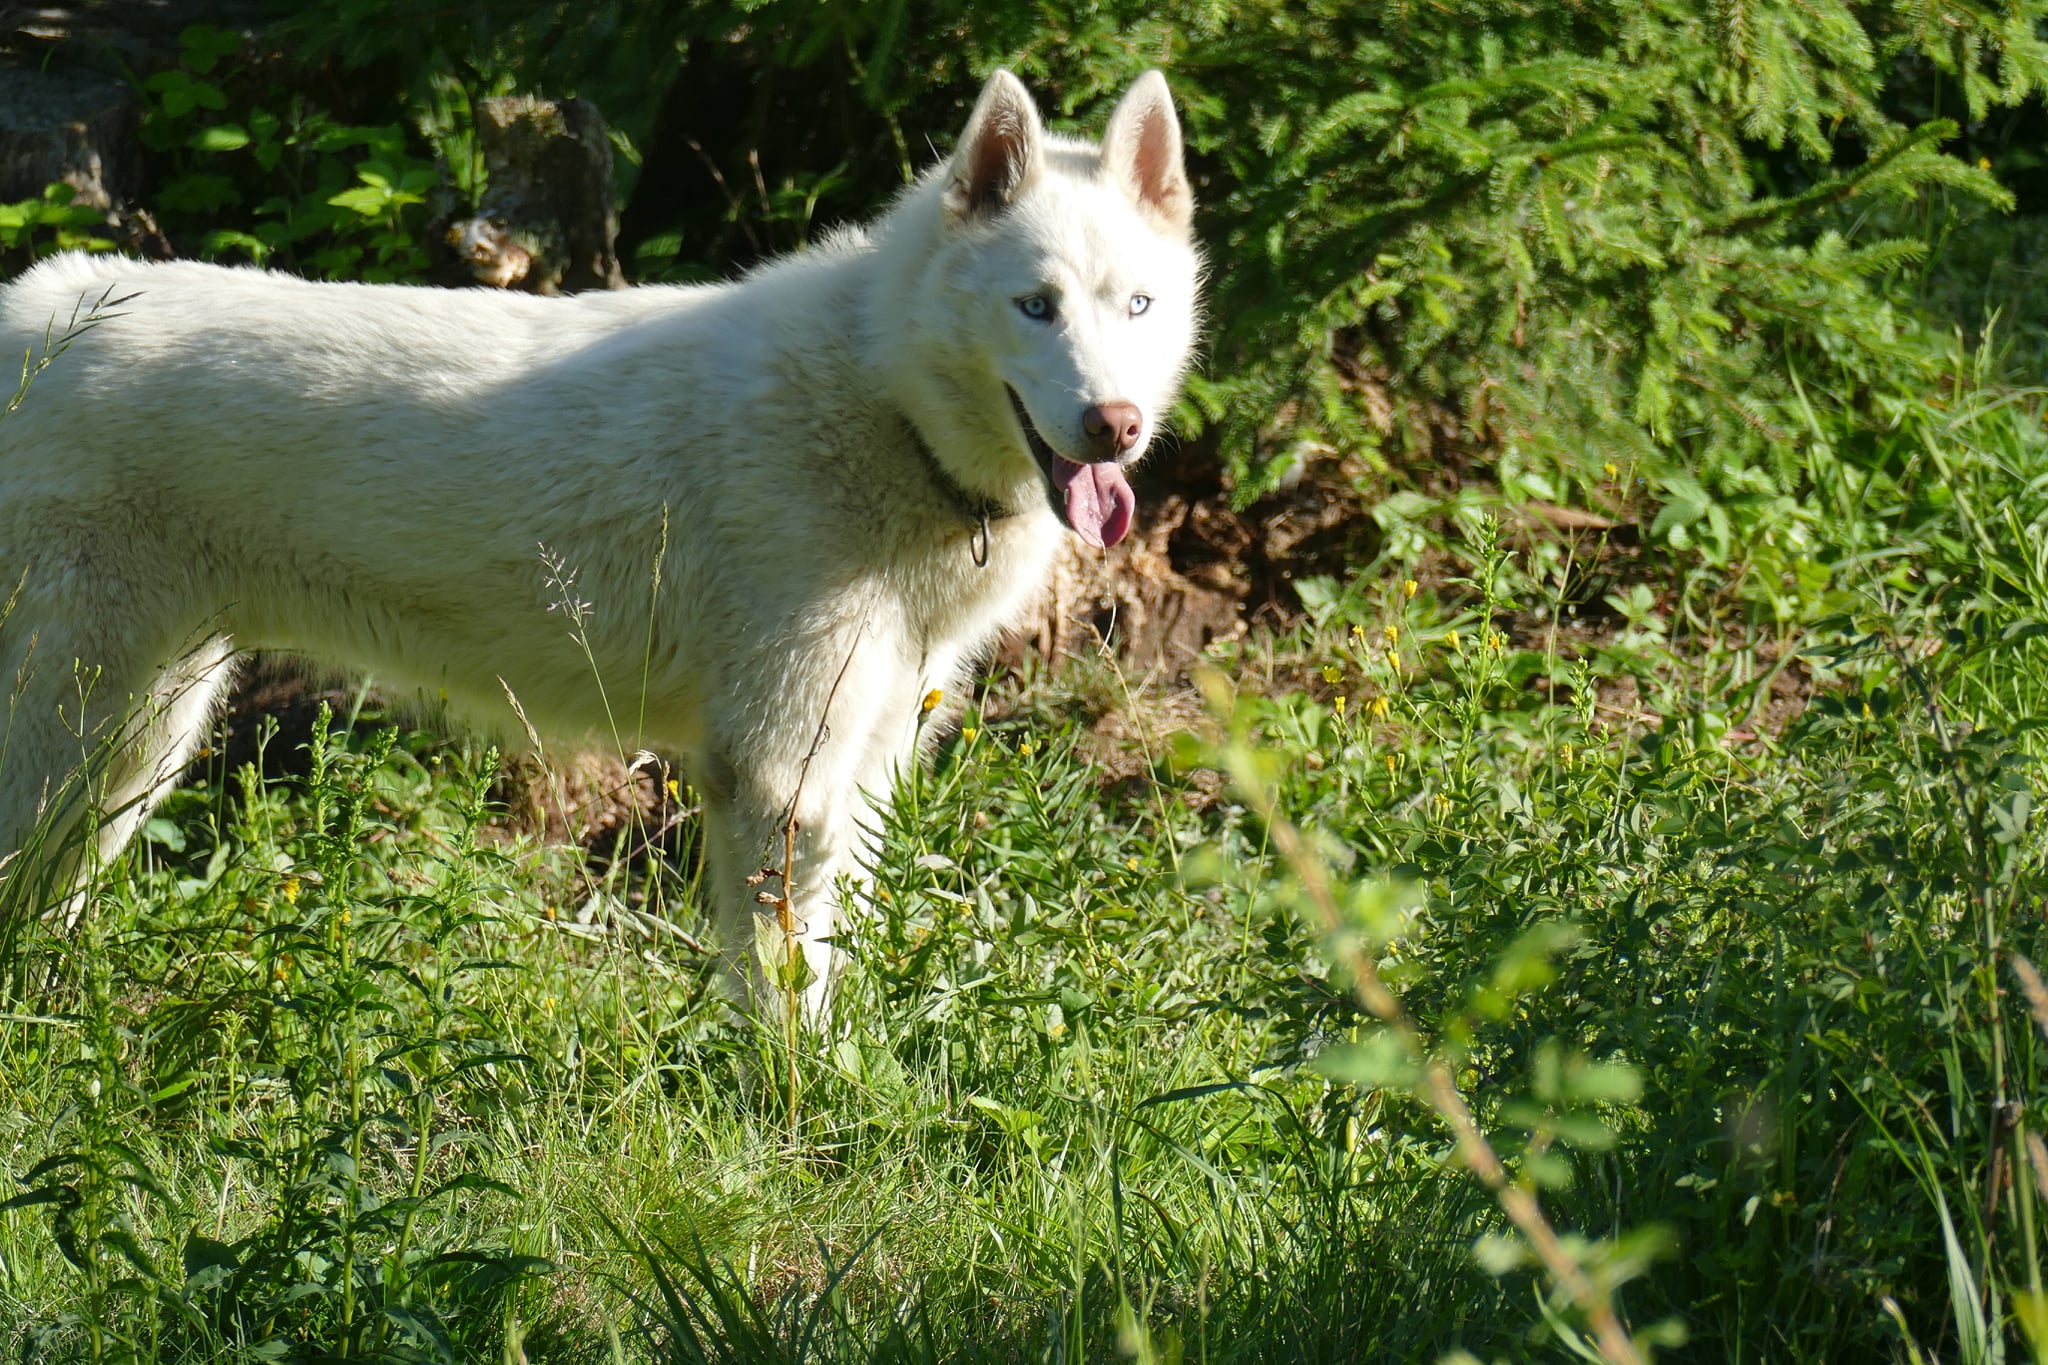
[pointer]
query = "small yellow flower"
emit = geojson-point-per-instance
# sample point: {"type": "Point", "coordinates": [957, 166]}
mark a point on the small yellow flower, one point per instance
{"type": "Point", "coordinates": [1131, 863]}
{"type": "Point", "coordinates": [1410, 587]}
{"type": "Point", "coordinates": [675, 792]}
{"type": "Point", "coordinates": [1332, 673]}
{"type": "Point", "coordinates": [1358, 632]}
{"type": "Point", "coordinates": [1393, 764]}
{"type": "Point", "coordinates": [1610, 471]}
{"type": "Point", "coordinates": [932, 700]}
{"type": "Point", "coordinates": [1496, 640]}
{"type": "Point", "coordinates": [1443, 804]}
{"type": "Point", "coordinates": [1393, 632]}
{"type": "Point", "coordinates": [290, 890]}
{"type": "Point", "coordinates": [1983, 163]}
{"type": "Point", "coordinates": [1457, 642]}
{"type": "Point", "coordinates": [1341, 701]}
{"type": "Point", "coordinates": [1025, 748]}
{"type": "Point", "coordinates": [1380, 707]}
{"type": "Point", "coordinates": [1568, 755]}
{"type": "Point", "coordinates": [967, 735]}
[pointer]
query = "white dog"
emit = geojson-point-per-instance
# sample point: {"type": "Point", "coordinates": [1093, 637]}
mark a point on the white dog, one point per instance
{"type": "Point", "coordinates": [853, 465]}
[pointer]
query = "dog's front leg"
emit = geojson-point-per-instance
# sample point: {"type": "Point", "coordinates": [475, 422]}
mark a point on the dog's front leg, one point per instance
{"type": "Point", "coordinates": [777, 872]}
{"type": "Point", "coordinates": [788, 830]}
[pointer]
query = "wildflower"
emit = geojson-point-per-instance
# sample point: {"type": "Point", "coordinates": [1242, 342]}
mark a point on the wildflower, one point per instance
{"type": "Point", "coordinates": [1358, 632]}
{"type": "Point", "coordinates": [1568, 755]}
{"type": "Point", "coordinates": [675, 793]}
{"type": "Point", "coordinates": [1025, 748]}
{"type": "Point", "coordinates": [290, 890]}
{"type": "Point", "coordinates": [1443, 804]}
{"type": "Point", "coordinates": [1332, 673]}
{"type": "Point", "coordinates": [1409, 587]}
{"type": "Point", "coordinates": [1393, 633]}
{"type": "Point", "coordinates": [1457, 642]}
{"type": "Point", "coordinates": [1131, 863]}
{"type": "Point", "coordinates": [967, 734]}
{"type": "Point", "coordinates": [1380, 706]}
{"type": "Point", "coordinates": [1393, 764]}
{"type": "Point", "coordinates": [1610, 471]}
{"type": "Point", "coordinates": [1340, 703]}
{"type": "Point", "coordinates": [1983, 163]}
{"type": "Point", "coordinates": [932, 700]}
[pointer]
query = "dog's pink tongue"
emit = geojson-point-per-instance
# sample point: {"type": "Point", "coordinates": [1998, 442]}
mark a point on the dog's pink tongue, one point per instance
{"type": "Point", "coordinates": [1100, 502]}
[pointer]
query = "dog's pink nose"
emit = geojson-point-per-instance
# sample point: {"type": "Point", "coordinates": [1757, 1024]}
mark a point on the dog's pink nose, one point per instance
{"type": "Point", "coordinates": [1112, 428]}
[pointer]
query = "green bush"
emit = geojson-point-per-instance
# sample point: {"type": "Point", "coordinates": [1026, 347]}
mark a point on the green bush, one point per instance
{"type": "Point", "coordinates": [251, 169]}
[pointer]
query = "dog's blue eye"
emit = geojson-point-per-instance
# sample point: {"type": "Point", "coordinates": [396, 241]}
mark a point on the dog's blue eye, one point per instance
{"type": "Point", "coordinates": [1036, 307]}
{"type": "Point", "coordinates": [1139, 303]}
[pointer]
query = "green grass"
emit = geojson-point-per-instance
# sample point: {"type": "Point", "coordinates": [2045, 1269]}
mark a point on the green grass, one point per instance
{"type": "Point", "coordinates": [333, 1070]}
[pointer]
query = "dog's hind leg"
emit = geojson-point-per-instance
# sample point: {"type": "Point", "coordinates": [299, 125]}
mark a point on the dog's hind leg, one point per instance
{"type": "Point", "coordinates": [89, 749]}
{"type": "Point", "coordinates": [161, 734]}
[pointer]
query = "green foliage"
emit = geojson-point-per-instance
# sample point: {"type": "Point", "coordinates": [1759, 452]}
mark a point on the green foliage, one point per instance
{"type": "Point", "coordinates": [1549, 223]}
{"type": "Point", "coordinates": [35, 228]}
{"type": "Point", "coordinates": [259, 170]}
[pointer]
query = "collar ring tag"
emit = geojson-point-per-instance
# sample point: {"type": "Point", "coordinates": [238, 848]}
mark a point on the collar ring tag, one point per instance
{"type": "Point", "coordinates": [977, 545]}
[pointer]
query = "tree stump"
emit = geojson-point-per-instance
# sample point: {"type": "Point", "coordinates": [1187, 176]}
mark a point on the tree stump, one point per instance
{"type": "Point", "coordinates": [547, 223]}
{"type": "Point", "coordinates": [69, 126]}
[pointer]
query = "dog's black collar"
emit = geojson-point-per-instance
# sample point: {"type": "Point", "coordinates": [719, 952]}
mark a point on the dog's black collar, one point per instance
{"type": "Point", "coordinates": [977, 511]}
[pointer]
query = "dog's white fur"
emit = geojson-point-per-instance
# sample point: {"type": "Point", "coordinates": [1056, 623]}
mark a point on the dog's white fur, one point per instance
{"type": "Point", "coordinates": [372, 475]}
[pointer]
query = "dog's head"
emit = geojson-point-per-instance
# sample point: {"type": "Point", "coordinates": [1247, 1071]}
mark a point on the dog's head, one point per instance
{"type": "Point", "coordinates": [1078, 267]}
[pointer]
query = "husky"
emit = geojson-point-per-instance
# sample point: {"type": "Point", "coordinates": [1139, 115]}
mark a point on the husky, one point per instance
{"type": "Point", "coordinates": [766, 526]}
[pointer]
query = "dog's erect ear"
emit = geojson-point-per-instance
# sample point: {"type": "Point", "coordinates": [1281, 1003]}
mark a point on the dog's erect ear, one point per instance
{"type": "Point", "coordinates": [998, 154]}
{"type": "Point", "coordinates": [1141, 149]}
